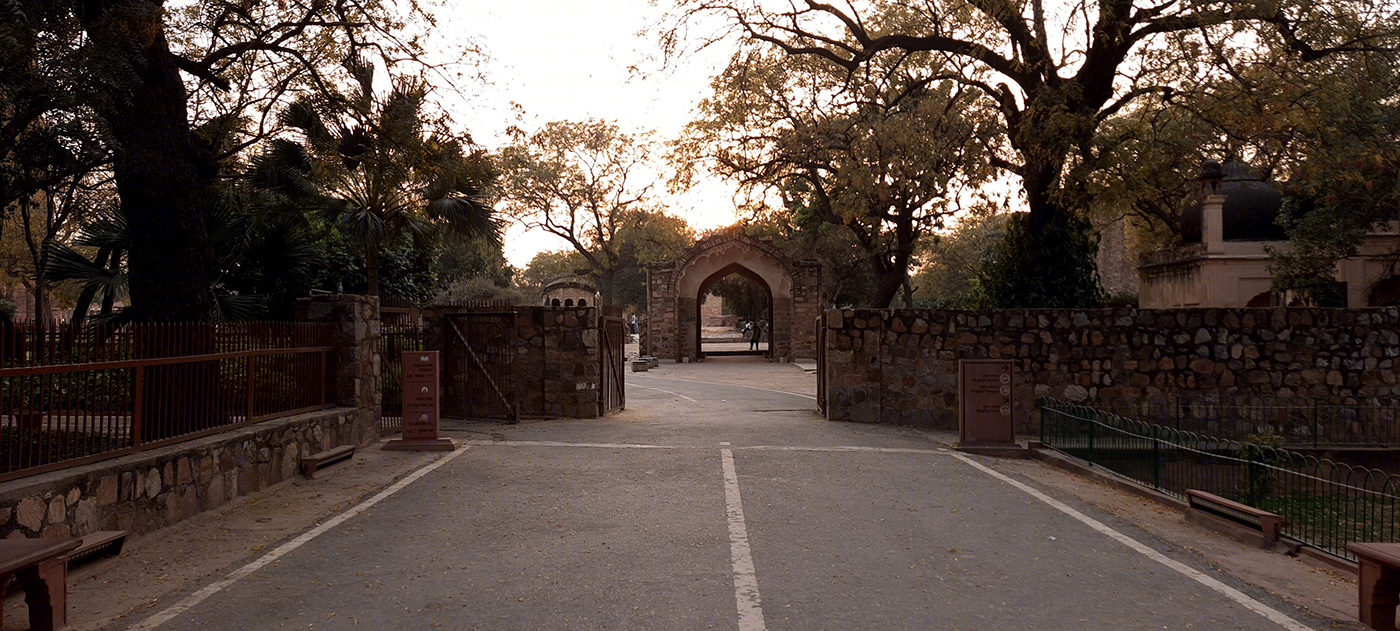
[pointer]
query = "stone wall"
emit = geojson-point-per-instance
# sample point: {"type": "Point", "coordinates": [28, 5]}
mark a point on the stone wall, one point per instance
{"type": "Point", "coordinates": [554, 358]}
{"type": "Point", "coordinates": [358, 374]}
{"type": "Point", "coordinates": [557, 362]}
{"type": "Point", "coordinates": [900, 366]}
{"type": "Point", "coordinates": [149, 490]}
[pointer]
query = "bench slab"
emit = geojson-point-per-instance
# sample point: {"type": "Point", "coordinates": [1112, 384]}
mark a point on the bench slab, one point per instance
{"type": "Point", "coordinates": [315, 461]}
{"type": "Point", "coordinates": [41, 565]}
{"type": "Point", "coordinates": [1269, 523]}
{"type": "Point", "coordinates": [1378, 583]}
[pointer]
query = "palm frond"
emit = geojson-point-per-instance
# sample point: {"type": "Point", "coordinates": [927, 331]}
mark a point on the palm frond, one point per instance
{"type": "Point", "coordinates": [108, 230]}
{"type": "Point", "coordinates": [466, 216]}
{"type": "Point", "coordinates": [303, 115]}
{"type": "Point", "coordinates": [231, 307]}
{"type": "Point", "coordinates": [67, 264]}
{"type": "Point", "coordinates": [353, 145]}
{"type": "Point", "coordinates": [362, 70]}
{"type": "Point", "coordinates": [288, 168]}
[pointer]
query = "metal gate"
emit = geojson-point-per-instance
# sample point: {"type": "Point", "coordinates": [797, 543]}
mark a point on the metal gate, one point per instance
{"type": "Point", "coordinates": [821, 363]}
{"type": "Point", "coordinates": [394, 339]}
{"type": "Point", "coordinates": [478, 366]}
{"type": "Point", "coordinates": [612, 361]}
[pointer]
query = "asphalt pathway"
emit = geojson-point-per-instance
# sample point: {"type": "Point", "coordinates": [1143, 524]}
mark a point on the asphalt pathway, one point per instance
{"type": "Point", "coordinates": [706, 506]}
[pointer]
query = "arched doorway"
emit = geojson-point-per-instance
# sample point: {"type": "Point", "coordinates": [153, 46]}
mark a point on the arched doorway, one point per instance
{"type": "Point", "coordinates": [675, 288]}
{"type": "Point", "coordinates": [760, 318]}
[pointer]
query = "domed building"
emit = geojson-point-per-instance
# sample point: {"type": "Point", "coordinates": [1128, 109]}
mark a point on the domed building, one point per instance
{"type": "Point", "coordinates": [1223, 260]}
{"type": "Point", "coordinates": [570, 290]}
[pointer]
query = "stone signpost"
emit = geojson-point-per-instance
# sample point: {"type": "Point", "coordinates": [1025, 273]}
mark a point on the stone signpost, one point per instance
{"type": "Point", "coordinates": [420, 405]}
{"type": "Point", "coordinates": [985, 404]}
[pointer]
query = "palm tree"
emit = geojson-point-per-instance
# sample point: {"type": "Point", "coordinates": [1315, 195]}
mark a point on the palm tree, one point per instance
{"type": "Point", "coordinates": [369, 165]}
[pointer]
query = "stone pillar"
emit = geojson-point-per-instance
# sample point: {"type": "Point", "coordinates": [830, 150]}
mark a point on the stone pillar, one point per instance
{"type": "Point", "coordinates": [357, 370]}
{"type": "Point", "coordinates": [780, 334]}
{"type": "Point", "coordinates": [687, 310]}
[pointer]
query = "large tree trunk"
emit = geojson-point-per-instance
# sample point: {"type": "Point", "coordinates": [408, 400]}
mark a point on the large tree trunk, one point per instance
{"type": "Point", "coordinates": [607, 284]}
{"type": "Point", "coordinates": [162, 178]}
{"type": "Point", "coordinates": [161, 175]}
{"type": "Point", "coordinates": [889, 279]}
{"type": "Point", "coordinates": [372, 271]}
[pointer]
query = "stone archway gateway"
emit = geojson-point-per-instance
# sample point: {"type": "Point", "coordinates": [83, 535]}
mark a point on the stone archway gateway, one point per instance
{"type": "Point", "coordinates": [674, 289]}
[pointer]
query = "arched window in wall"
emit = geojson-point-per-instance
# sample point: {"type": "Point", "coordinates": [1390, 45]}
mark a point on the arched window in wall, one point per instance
{"type": "Point", "coordinates": [583, 302]}
{"type": "Point", "coordinates": [555, 303]}
{"type": "Point", "coordinates": [568, 302]}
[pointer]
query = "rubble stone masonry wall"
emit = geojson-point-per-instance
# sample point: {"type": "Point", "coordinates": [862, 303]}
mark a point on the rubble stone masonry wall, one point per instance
{"type": "Point", "coordinates": [153, 489]}
{"type": "Point", "coordinates": [900, 366]}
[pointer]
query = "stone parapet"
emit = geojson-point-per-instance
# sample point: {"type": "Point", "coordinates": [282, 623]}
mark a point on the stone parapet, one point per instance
{"type": "Point", "coordinates": [358, 374]}
{"type": "Point", "coordinates": [153, 489]}
{"type": "Point", "coordinates": [900, 366]}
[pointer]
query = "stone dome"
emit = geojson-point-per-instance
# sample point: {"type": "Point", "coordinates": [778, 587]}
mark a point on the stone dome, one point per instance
{"type": "Point", "coordinates": [1250, 211]}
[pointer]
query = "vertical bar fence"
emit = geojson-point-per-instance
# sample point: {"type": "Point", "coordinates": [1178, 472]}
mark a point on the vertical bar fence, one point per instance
{"type": "Point", "coordinates": [1325, 504]}
{"type": "Point", "coordinates": [394, 339]}
{"type": "Point", "coordinates": [76, 395]}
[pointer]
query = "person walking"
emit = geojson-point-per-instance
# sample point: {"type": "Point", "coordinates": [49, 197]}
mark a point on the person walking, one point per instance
{"type": "Point", "coordinates": [755, 335]}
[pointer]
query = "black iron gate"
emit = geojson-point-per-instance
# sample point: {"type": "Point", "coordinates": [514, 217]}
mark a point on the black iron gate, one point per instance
{"type": "Point", "coordinates": [394, 339]}
{"type": "Point", "coordinates": [478, 366]}
{"type": "Point", "coordinates": [612, 361]}
{"type": "Point", "coordinates": [821, 363]}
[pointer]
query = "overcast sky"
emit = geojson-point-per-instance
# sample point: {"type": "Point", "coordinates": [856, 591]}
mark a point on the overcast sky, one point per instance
{"type": "Point", "coordinates": [569, 60]}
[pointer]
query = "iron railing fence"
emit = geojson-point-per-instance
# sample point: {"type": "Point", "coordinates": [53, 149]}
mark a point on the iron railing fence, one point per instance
{"type": "Point", "coordinates": [394, 339]}
{"type": "Point", "coordinates": [1300, 423]}
{"type": "Point", "coordinates": [1325, 504]}
{"type": "Point", "coordinates": [74, 395]}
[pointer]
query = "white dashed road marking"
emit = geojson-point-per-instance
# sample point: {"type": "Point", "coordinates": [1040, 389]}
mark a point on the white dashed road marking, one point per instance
{"type": "Point", "coordinates": [674, 394]}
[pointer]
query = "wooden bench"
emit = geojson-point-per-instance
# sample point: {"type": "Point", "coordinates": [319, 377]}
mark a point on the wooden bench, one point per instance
{"type": "Point", "coordinates": [311, 463]}
{"type": "Point", "coordinates": [1378, 582]}
{"type": "Point", "coordinates": [41, 565]}
{"type": "Point", "coordinates": [1267, 523]}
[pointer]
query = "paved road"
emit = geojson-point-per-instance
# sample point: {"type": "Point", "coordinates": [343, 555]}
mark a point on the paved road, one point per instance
{"type": "Point", "coordinates": [746, 511]}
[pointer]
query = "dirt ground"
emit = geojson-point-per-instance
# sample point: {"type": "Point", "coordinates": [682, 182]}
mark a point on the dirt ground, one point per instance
{"type": "Point", "coordinates": [121, 592]}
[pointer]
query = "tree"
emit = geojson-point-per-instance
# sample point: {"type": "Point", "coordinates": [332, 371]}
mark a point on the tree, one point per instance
{"type": "Point", "coordinates": [954, 257]}
{"type": "Point", "coordinates": [549, 265]}
{"type": "Point", "coordinates": [1055, 74]}
{"type": "Point", "coordinates": [125, 62]}
{"type": "Point", "coordinates": [883, 154]}
{"type": "Point", "coordinates": [374, 169]}
{"type": "Point", "coordinates": [586, 182]}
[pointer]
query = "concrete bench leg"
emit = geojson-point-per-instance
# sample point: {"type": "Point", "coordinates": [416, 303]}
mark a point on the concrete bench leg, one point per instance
{"type": "Point", "coordinates": [46, 592]}
{"type": "Point", "coordinates": [1380, 593]}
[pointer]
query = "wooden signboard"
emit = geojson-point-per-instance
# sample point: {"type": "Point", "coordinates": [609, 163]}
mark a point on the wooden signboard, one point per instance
{"type": "Point", "coordinates": [421, 405]}
{"type": "Point", "coordinates": [985, 402]}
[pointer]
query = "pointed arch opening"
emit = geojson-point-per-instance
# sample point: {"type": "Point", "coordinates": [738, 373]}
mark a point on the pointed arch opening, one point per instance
{"type": "Point", "coordinates": [727, 334]}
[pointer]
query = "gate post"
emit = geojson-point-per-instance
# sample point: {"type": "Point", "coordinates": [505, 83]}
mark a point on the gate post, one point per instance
{"type": "Point", "coordinates": [357, 361]}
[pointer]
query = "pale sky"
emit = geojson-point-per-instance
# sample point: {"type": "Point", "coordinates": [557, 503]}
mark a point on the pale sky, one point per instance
{"type": "Point", "coordinates": [569, 60]}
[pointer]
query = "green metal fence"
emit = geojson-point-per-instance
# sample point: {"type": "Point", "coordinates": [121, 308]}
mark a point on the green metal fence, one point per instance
{"type": "Point", "coordinates": [1325, 504]}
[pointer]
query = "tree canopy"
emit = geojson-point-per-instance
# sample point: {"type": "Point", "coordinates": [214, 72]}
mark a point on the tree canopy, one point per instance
{"type": "Point", "coordinates": [1057, 73]}
{"type": "Point", "coordinates": [589, 184]}
{"type": "Point", "coordinates": [884, 153]}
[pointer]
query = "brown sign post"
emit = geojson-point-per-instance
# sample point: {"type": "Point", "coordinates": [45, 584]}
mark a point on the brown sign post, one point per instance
{"type": "Point", "coordinates": [420, 405]}
{"type": "Point", "coordinates": [986, 404]}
